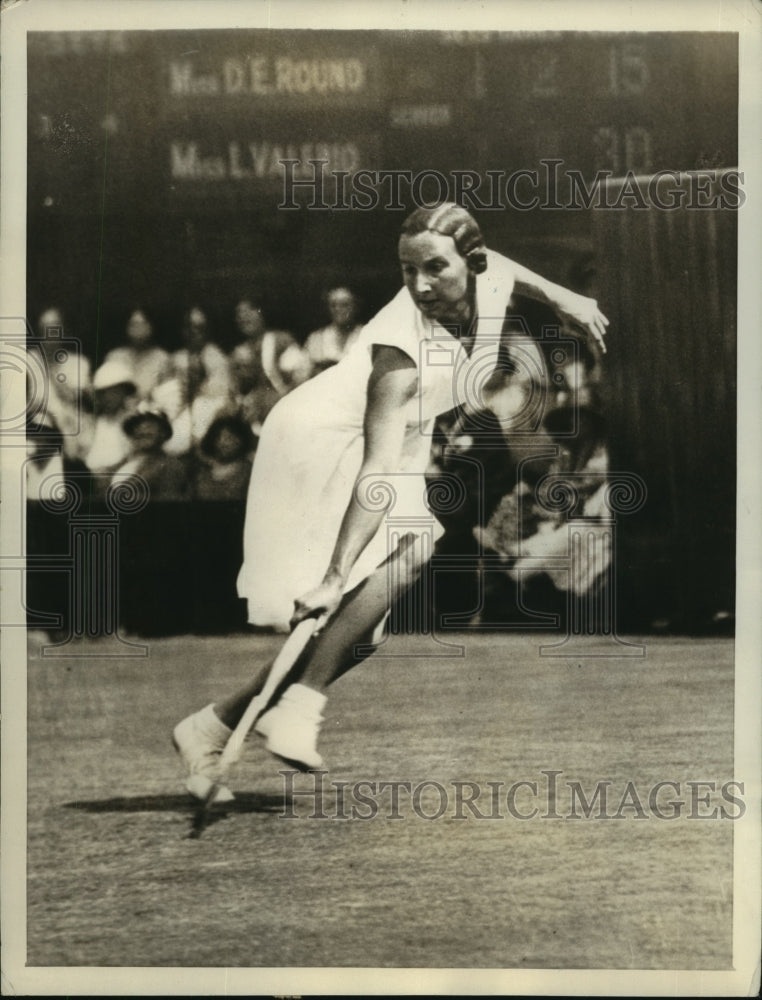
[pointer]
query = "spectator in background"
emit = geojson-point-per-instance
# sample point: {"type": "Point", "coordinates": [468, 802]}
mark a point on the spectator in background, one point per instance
{"type": "Point", "coordinates": [294, 366]}
{"type": "Point", "coordinates": [64, 390]}
{"type": "Point", "coordinates": [253, 393]}
{"type": "Point", "coordinates": [202, 363]}
{"type": "Point", "coordinates": [326, 346]}
{"type": "Point", "coordinates": [115, 400]}
{"type": "Point", "coordinates": [224, 465]}
{"type": "Point", "coordinates": [48, 465]}
{"type": "Point", "coordinates": [199, 388]}
{"type": "Point", "coordinates": [149, 364]}
{"type": "Point", "coordinates": [525, 528]}
{"type": "Point", "coordinates": [148, 430]}
{"type": "Point", "coordinates": [157, 551]}
{"type": "Point", "coordinates": [544, 418]}
{"type": "Point", "coordinates": [265, 365]}
{"type": "Point", "coordinates": [222, 477]}
{"type": "Point", "coordinates": [532, 537]}
{"type": "Point", "coordinates": [48, 470]}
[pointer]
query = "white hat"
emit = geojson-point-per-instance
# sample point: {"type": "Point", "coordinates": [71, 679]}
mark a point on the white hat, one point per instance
{"type": "Point", "coordinates": [112, 373]}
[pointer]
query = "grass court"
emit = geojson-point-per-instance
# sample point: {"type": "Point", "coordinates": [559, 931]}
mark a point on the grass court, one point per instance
{"type": "Point", "coordinates": [113, 879]}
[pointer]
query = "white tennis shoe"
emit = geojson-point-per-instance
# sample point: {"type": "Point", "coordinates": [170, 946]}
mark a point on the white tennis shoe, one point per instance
{"type": "Point", "coordinates": [293, 725]}
{"type": "Point", "coordinates": [200, 739]}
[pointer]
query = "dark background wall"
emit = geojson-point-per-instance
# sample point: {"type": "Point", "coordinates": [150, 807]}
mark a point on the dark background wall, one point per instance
{"type": "Point", "coordinates": [153, 178]}
{"type": "Point", "coordinates": [669, 285]}
{"type": "Point", "coordinates": [118, 213]}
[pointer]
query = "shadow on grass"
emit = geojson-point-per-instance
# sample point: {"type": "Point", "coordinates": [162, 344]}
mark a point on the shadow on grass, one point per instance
{"type": "Point", "coordinates": [244, 802]}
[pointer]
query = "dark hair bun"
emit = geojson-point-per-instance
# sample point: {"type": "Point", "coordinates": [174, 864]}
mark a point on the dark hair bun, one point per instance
{"type": "Point", "coordinates": [477, 260]}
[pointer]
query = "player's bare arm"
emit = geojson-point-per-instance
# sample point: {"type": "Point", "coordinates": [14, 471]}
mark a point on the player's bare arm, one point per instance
{"type": "Point", "coordinates": [392, 383]}
{"type": "Point", "coordinates": [579, 309]}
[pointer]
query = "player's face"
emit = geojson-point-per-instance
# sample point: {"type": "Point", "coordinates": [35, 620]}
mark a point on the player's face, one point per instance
{"type": "Point", "coordinates": [435, 274]}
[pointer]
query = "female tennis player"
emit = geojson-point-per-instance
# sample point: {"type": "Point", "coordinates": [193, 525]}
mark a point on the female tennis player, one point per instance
{"type": "Point", "coordinates": [315, 539]}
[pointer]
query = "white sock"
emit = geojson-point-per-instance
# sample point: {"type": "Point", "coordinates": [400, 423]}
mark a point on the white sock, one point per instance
{"type": "Point", "coordinates": [306, 698]}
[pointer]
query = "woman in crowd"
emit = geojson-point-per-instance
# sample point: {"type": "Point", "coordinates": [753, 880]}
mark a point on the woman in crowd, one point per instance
{"type": "Point", "coordinates": [148, 363]}
{"type": "Point", "coordinates": [329, 344]}
{"type": "Point", "coordinates": [315, 541]}
{"type": "Point", "coordinates": [166, 476]}
{"type": "Point", "coordinates": [265, 364]}
{"type": "Point", "coordinates": [200, 387]}
{"type": "Point", "coordinates": [60, 382]}
{"type": "Point", "coordinates": [114, 401]}
{"type": "Point", "coordinates": [224, 465]}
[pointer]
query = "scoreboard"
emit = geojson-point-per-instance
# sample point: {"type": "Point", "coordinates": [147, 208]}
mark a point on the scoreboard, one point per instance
{"type": "Point", "coordinates": [156, 158]}
{"type": "Point", "coordinates": [168, 120]}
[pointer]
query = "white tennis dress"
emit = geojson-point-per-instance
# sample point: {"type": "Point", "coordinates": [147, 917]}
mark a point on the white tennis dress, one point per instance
{"type": "Point", "coordinates": [311, 450]}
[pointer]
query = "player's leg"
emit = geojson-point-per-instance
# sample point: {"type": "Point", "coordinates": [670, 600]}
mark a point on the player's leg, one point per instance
{"type": "Point", "coordinates": [352, 635]}
{"type": "Point", "coordinates": [346, 641]}
{"type": "Point", "coordinates": [352, 629]}
{"type": "Point", "coordinates": [293, 725]}
{"type": "Point", "coordinates": [341, 644]}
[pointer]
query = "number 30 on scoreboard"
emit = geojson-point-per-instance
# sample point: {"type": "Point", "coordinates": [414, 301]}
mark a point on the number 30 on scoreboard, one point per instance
{"type": "Point", "coordinates": [620, 150]}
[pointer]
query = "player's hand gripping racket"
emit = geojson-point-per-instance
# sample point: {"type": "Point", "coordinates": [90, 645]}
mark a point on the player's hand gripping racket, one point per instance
{"type": "Point", "coordinates": [290, 652]}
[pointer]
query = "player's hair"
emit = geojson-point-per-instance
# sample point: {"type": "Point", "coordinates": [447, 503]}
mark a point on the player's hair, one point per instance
{"type": "Point", "coordinates": [449, 219]}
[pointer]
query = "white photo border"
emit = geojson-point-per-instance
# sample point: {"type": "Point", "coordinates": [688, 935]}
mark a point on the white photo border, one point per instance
{"type": "Point", "coordinates": [743, 16]}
